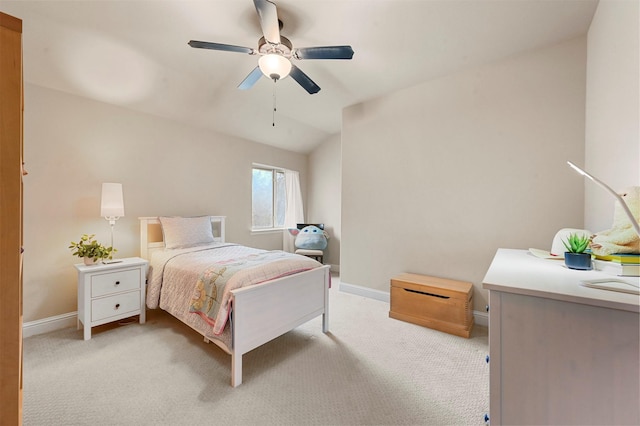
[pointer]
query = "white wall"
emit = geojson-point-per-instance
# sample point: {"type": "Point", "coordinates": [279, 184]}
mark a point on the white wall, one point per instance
{"type": "Point", "coordinates": [438, 176]}
{"type": "Point", "coordinates": [324, 201]}
{"type": "Point", "coordinates": [612, 147]}
{"type": "Point", "coordinates": [73, 144]}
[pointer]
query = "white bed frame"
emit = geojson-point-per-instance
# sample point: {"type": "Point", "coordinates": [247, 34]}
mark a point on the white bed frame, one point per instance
{"type": "Point", "coordinates": [260, 312]}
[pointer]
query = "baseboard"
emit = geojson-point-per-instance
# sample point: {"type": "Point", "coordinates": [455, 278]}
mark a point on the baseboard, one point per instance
{"type": "Point", "coordinates": [479, 318]}
{"type": "Point", "coordinates": [45, 325]}
{"type": "Point", "coordinates": [370, 293]}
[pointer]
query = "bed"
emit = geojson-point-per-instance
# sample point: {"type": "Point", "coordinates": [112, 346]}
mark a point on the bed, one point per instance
{"type": "Point", "coordinates": [258, 303]}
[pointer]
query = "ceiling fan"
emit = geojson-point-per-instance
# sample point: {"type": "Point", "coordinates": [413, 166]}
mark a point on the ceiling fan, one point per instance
{"type": "Point", "coordinates": [277, 51]}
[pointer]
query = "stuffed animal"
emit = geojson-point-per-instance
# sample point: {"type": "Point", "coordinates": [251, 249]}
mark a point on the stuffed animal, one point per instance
{"type": "Point", "coordinates": [310, 238]}
{"type": "Point", "coordinates": [622, 237]}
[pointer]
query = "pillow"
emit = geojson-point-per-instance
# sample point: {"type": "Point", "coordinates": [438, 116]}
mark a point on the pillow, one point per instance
{"type": "Point", "coordinates": [181, 232]}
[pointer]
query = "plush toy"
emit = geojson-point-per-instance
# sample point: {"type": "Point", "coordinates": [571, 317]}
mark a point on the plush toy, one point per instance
{"type": "Point", "coordinates": [310, 238]}
{"type": "Point", "coordinates": [622, 237]}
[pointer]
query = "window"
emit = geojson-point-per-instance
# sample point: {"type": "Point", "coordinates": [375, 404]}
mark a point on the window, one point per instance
{"type": "Point", "coordinates": [269, 197]}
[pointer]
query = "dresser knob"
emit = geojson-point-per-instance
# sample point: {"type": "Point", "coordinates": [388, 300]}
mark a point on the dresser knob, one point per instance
{"type": "Point", "coordinates": [118, 306]}
{"type": "Point", "coordinates": [117, 282]}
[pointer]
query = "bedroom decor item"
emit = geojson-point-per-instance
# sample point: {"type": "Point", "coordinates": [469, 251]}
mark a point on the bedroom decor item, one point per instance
{"type": "Point", "coordinates": [620, 264]}
{"type": "Point", "coordinates": [110, 292]}
{"type": "Point", "coordinates": [277, 51]}
{"type": "Point", "coordinates": [621, 238]}
{"type": "Point", "coordinates": [579, 261]}
{"type": "Point", "coordinates": [183, 232]}
{"type": "Point", "coordinates": [91, 250]}
{"type": "Point", "coordinates": [575, 256]}
{"type": "Point", "coordinates": [557, 246]}
{"type": "Point", "coordinates": [266, 293]}
{"type": "Point", "coordinates": [112, 204]}
{"type": "Point", "coordinates": [438, 303]}
{"type": "Point", "coordinates": [624, 236]}
{"type": "Point", "coordinates": [311, 240]}
{"type": "Point", "coordinates": [310, 237]}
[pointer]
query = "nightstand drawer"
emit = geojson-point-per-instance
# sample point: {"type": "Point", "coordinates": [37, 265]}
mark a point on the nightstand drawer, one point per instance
{"type": "Point", "coordinates": [113, 282]}
{"type": "Point", "coordinates": [116, 305]}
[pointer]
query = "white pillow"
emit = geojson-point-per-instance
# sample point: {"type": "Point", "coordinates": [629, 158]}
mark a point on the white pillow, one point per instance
{"type": "Point", "coordinates": [181, 232]}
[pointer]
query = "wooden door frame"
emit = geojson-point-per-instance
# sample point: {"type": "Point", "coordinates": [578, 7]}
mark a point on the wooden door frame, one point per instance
{"type": "Point", "coordinates": [11, 112]}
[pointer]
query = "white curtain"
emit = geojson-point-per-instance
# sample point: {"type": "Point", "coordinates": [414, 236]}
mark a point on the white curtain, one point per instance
{"type": "Point", "coordinates": [294, 212]}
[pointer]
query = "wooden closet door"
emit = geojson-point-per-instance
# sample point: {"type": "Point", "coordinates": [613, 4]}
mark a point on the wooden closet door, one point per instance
{"type": "Point", "coordinates": [11, 108]}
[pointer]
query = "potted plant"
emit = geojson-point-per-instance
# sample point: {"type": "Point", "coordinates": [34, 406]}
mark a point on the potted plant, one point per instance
{"type": "Point", "coordinates": [91, 250]}
{"type": "Point", "coordinates": [576, 256]}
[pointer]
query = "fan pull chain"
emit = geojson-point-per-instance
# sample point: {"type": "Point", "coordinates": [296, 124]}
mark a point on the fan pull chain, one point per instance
{"type": "Point", "coordinates": [273, 119]}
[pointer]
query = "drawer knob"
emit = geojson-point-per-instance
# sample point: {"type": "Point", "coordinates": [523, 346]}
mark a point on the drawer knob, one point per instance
{"type": "Point", "coordinates": [117, 306]}
{"type": "Point", "coordinates": [117, 282]}
{"type": "Point", "coordinates": [486, 418]}
{"type": "Point", "coordinates": [487, 359]}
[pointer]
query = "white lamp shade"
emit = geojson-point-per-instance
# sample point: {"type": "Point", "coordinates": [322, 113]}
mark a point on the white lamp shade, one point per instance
{"type": "Point", "coordinates": [274, 66]}
{"type": "Point", "coordinates": [112, 201]}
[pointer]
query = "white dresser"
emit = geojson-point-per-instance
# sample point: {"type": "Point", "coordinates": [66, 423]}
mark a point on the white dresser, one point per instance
{"type": "Point", "coordinates": [109, 292]}
{"type": "Point", "coordinates": [560, 353]}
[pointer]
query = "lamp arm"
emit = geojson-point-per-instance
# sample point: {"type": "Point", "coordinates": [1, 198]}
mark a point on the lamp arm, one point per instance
{"type": "Point", "coordinates": [626, 209]}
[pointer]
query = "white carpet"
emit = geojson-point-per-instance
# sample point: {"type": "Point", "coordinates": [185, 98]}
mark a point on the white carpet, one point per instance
{"type": "Point", "coordinates": [369, 370]}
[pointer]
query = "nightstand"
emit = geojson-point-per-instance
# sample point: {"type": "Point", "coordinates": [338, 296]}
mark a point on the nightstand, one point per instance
{"type": "Point", "coordinates": [109, 292]}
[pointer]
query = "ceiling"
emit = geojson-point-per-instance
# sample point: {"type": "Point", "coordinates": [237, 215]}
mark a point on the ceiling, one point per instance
{"type": "Point", "coordinates": [134, 54]}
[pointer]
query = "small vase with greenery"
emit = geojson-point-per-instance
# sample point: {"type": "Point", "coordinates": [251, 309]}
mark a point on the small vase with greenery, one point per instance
{"type": "Point", "coordinates": [576, 256]}
{"type": "Point", "coordinates": [91, 250]}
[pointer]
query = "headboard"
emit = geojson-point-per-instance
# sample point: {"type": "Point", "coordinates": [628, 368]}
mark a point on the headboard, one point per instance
{"type": "Point", "coordinates": [151, 237]}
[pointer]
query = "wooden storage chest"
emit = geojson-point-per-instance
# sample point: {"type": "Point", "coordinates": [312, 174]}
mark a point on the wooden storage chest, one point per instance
{"type": "Point", "coordinates": [437, 303]}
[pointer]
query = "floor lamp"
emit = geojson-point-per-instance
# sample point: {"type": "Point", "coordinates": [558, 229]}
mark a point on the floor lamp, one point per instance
{"type": "Point", "coordinates": [112, 205]}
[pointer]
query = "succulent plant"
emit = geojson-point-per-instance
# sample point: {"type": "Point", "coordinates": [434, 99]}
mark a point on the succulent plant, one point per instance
{"type": "Point", "coordinates": [577, 242]}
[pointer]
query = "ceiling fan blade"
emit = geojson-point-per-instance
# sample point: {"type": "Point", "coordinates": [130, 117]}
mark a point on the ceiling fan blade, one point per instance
{"type": "Point", "coordinates": [268, 14]}
{"type": "Point", "coordinates": [304, 80]}
{"type": "Point", "coordinates": [324, 52]}
{"type": "Point", "coordinates": [251, 79]}
{"type": "Point", "coordinates": [220, 46]}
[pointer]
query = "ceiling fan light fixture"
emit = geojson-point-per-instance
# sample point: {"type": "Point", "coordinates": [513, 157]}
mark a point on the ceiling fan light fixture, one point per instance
{"type": "Point", "coordinates": [274, 66]}
{"type": "Point", "coordinates": [275, 52]}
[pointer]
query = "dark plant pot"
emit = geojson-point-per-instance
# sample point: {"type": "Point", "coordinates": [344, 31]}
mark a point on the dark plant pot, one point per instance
{"type": "Point", "coordinates": [580, 261]}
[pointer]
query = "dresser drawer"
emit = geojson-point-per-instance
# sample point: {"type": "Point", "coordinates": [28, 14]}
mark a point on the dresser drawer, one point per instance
{"type": "Point", "coordinates": [116, 305]}
{"type": "Point", "coordinates": [114, 282]}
